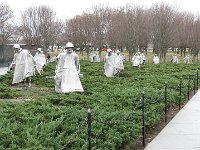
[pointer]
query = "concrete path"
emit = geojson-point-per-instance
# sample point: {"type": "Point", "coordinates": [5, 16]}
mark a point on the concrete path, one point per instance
{"type": "Point", "coordinates": [14, 100]}
{"type": "Point", "coordinates": [3, 70]}
{"type": "Point", "coordinates": [183, 131]}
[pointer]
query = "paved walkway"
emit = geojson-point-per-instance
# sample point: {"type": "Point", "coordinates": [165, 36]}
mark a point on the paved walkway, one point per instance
{"type": "Point", "coordinates": [14, 100]}
{"type": "Point", "coordinates": [183, 131]}
{"type": "Point", "coordinates": [3, 70]}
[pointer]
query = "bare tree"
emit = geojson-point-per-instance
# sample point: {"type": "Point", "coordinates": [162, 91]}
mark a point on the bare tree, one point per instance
{"type": "Point", "coordinates": [5, 23]}
{"type": "Point", "coordinates": [6, 33]}
{"type": "Point", "coordinates": [195, 37]}
{"type": "Point", "coordinates": [5, 13]}
{"type": "Point", "coordinates": [118, 32]}
{"type": "Point", "coordinates": [17, 35]}
{"type": "Point", "coordinates": [100, 27]}
{"type": "Point", "coordinates": [58, 32]}
{"type": "Point", "coordinates": [82, 32]}
{"type": "Point", "coordinates": [135, 29]}
{"type": "Point", "coordinates": [75, 33]}
{"type": "Point", "coordinates": [40, 26]}
{"type": "Point", "coordinates": [163, 28]}
{"type": "Point", "coordinates": [129, 27]}
{"type": "Point", "coordinates": [47, 26]}
{"type": "Point", "coordinates": [184, 32]}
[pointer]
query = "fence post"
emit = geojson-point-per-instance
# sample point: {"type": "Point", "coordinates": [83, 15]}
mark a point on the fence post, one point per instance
{"type": "Point", "coordinates": [189, 88]}
{"type": "Point", "coordinates": [197, 79]}
{"type": "Point", "coordinates": [180, 93]}
{"type": "Point", "coordinates": [143, 121]}
{"type": "Point", "coordinates": [194, 83]}
{"type": "Point", "coordinates": [89, 130]}
{"type": "Point", "coordinates": [165, 101]}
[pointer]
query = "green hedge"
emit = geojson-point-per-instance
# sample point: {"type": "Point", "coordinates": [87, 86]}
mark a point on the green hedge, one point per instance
{"type": "Point", "coordinates": [52, 120]}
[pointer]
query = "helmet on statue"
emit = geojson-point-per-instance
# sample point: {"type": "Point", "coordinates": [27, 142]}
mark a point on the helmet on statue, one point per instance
{"type": "Point", "coordinates": [69, 45]}
{"type": "Point", "coordinates": [16, 46]}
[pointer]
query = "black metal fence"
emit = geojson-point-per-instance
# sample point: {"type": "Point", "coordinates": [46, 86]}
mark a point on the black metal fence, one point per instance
{"type": "Point", "coordinates": [186, 86]}
{"type": "Point", "coordinates": [183, 83]}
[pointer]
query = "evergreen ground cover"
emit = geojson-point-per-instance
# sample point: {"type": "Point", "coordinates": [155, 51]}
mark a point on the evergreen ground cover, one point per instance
{"type": "Point", "coordinates": [52, 120]}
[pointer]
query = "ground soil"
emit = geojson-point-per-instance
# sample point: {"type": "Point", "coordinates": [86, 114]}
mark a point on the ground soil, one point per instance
{"type": "Point", "coordinates": [152, 132]}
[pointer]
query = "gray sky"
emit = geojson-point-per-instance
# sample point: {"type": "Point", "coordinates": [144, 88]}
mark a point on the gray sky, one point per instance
{"type": "Point", "coordinates": [69, 8]}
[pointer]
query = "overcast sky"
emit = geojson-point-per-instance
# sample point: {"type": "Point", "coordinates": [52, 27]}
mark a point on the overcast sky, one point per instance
{"type": "Point", "coordinates": [69, 8]}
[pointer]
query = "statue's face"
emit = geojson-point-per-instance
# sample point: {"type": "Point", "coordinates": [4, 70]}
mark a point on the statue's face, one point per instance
{"type": "Point", "coordinates": [110, 53]}
{"type": "Point", "coordinates": [17, 50]}
{"type": "Point", "coordinates": [69, 50]}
